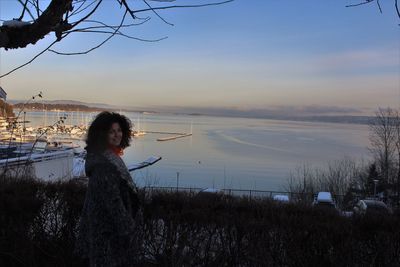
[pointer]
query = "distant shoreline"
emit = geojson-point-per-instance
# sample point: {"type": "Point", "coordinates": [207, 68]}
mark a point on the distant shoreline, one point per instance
{"type": "Point", "coordinates": [345, 119]}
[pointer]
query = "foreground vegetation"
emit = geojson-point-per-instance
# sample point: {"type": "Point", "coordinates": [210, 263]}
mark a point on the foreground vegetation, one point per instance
{"type": "Point", "coordinates": [38, 226]}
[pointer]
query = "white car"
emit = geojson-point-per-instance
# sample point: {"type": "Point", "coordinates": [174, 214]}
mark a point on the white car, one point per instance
{"type": "Point", "coordinates": [281, 198]}
{"type": "Point", "coordinates": [371, 206]}
{"type": "Point", "coordinates": [325, 201]}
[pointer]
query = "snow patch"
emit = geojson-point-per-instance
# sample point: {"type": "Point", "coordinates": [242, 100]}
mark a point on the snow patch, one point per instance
{"type": "Point", "coordinates": [15, 23]}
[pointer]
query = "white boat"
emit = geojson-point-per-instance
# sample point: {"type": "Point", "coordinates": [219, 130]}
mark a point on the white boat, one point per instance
{"type": "Point", "coordinates": [38, 162]}
{"type": "Point", "coordinates": [138, 132]}
{"type": "Point", "coordinates": [79, 165]}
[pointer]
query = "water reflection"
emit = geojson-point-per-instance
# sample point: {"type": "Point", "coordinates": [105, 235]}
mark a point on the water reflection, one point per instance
{"type": "Point", "coordinates": [235, 152]}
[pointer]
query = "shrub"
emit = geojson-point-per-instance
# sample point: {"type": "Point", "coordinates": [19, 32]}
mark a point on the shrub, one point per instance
{"type": "Point", "coordinates": [38, 223]}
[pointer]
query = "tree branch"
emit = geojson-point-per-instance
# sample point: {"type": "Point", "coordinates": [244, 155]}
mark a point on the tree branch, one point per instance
{"type": "Point", "coordinates": [88, 15]}
{"type": "Point", "coordinates": [155, 12]}
{"type": "Point", "coordinates": [30, 61]}
{"type": "Point", "coordinates": [19, 37]}
{"type": "Point", "coordinates": [110, 32]}
{"type": "Point", "coordinates": [95, 47]}
{"type": "Point", "coordinates": [182, 6]}
{"type": "Point", "coordinates": [58, 13]}
{"type": "Point", "coordinates": [23, 11]}
{"type": "Point", "coordinates": [360, 4]}
{"type": "Point", "coordinates": [27, 10]}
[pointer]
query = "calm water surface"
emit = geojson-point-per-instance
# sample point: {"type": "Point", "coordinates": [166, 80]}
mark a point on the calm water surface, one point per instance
{"type": "Point", "coordinates": [232, 152]}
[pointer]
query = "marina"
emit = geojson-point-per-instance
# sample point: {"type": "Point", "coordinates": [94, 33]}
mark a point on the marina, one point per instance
{"type": "Point", "coordinates": [248, 154]}
{"type": "Point", "coordinates": [49, 152]}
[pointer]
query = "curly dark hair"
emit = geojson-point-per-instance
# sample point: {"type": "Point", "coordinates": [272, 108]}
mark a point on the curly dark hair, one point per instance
{"type": "Point", "coordinates": [97, 135]}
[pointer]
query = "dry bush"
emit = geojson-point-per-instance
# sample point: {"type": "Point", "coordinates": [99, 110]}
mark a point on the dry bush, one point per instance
{"type": "Point", "coordinates": [39, 223]}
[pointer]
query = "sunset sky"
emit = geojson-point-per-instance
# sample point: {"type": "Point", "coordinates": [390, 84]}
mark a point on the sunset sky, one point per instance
{"type": "Point", "coordinates": [248, 54]}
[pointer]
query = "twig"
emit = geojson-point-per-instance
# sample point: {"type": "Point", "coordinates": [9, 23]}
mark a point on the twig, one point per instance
{"type": "Point", "coordinates": [123, 2]}
{"type": "Point", "coordinates": [95, 47]}
{"type": "Point", "coordinates": [88, 15]}
{"type": "Point", "coordinates": [379, 6]}
{"type": "Point", "coordinates": [155, 12]}
{"type": "Point", "coordinates": [15, 122]}
{"type": "Point", "coordinates": [30, 61]}
{"type": "Point", "coordinates": [118, 33]}
{"type": "Point", "coordinates": [359, 4]}
{"type": "Point", "coordinates": [182, 6]}
{"type": "Point", "coordinates": [116, 26]}
{"type": "Point", "coordinates": [79, 10]}
{"type": "Point", "coordinates": [23, 11]}
{"type": "Point", "coordinates": [27, 10]}
{"type": "Point", "coordinates": [36, 6]}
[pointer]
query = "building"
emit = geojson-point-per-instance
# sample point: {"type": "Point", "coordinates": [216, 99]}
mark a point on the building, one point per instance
{"type": "Point", "coordinates": [3, 94]}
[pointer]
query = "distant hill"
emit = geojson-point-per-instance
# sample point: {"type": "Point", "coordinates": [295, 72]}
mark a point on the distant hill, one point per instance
{"type": "Point", "coordinates": [307, 113]}
{"type": "Point", "coordinates": [66, 102]}
{"type": "Point", "coordinates": [73, 105]}
{"type": "Point", "coordinates": [64, 107]}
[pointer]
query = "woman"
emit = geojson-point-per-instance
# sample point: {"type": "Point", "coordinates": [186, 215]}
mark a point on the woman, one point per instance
{"type": "Point", "coordinates": [107, 227]}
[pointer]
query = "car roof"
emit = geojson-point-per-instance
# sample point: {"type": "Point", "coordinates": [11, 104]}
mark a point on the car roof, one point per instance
{"type": "Point", "coordinates": [376, 203]}
{"type": "Point", "coordinates": [283, 198]}
{"type": "Point", "coordinates": [211, 190]}
{"type": "Point", "coordinates": [324, 197]}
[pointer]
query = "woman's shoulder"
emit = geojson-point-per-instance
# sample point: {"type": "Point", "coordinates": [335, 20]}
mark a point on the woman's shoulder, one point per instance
{"type": "Point", "coordinates": [95, 158]}
{"type": "Point", "coordinates": [99, 162]}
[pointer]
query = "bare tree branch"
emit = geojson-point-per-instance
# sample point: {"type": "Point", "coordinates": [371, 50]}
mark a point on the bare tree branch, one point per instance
{"type": "Point", "coordinates": [63, 17]}
{"type": "Point", "coordinates": [360, 4]}
{"type": "Point", "coordinates": [23, 11]}
{"type": "Point", "coordinates": [110, 26]}
{"type": "Point", "coordinates": [95, 47]}
{"type": "Point", "coordinates": [80, 9]}
{"type": "Point", "coordinates": [88, 15]}
{"type": "Point", "coordinates": [27, 10]}
{"type": "Point", "coordinates": [182, 6]}
{"type": "Point", "coordinates": [30, 61]}
{"type": "Point", "coordinates": [110, 32]}
{"type": "Point", "coordinates": [19, 37]}
{"type": "Point", "coordinates": [155, 12]}
{"type": "Point", "coordinates": [123, 2]}
{"type": "Point", "coordinates": [379, 6]}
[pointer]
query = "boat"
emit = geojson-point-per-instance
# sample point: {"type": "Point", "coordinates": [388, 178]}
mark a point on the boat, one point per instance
{"type": "Point", "coordinates": [34, 159]}
{"type": "Point", "coordinates": [138, 132]}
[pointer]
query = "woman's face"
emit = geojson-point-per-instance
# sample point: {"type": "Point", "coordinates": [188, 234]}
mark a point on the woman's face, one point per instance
{"type": "Point", "coordinates": [115, 134]}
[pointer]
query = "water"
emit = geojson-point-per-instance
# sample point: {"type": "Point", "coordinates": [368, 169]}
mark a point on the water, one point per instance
{"type": "Point", "coordinates": [232, 152]}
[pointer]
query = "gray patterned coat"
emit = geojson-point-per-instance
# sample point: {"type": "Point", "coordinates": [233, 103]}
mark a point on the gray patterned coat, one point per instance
{"type": "Point", "coordinates": [107, 227]}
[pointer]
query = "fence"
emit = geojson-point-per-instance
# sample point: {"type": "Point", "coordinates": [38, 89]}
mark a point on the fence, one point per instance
{"type": "Point", "coordinates": [306, 198]}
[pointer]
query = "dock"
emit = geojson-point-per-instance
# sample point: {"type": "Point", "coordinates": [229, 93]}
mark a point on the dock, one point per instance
{"type": "Point", "coordinates": [174, 137]}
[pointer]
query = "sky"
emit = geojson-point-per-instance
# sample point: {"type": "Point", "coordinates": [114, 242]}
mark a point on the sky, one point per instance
{"type": "Point", "coordinates": [248, 54]}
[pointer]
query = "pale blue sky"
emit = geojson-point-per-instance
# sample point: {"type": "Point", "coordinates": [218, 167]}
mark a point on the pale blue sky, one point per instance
{"type": "Point", "coordinates": [245, 54]}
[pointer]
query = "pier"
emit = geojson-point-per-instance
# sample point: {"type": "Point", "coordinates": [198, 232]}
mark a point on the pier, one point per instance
{"type": "Point", "coordinates": [174, 137]}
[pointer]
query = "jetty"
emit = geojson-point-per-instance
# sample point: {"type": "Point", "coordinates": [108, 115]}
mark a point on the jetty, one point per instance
{"type": "Point", "coordinates": [174, 137]}
{"type": "Point", "coordinates": [169, 138]}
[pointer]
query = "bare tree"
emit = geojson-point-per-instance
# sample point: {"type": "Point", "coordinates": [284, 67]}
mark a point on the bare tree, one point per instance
{"type": "Point", "coordinates": [383, 142]}
{"type": "Point", "coordinates": [38, 18]}
{"type": "Point", "coordinates": [397, 148]}
{"type": "Point", "coordinates": [338, 177]}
